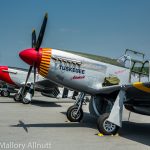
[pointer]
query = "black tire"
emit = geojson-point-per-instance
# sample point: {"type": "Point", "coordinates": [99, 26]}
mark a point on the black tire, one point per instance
{"type": "Point", "coordinates": [105, 127]}
{"type": "Point", "coordinates": [25, 101]}
{"type": "Point", "coordinates": [17, 97]}
{"type": "Point", "coordinates": [72, 116]}
{"type": "Point", "coordinates": [5, 93]}
{"type": "Point", "coordinates": [69, 109]}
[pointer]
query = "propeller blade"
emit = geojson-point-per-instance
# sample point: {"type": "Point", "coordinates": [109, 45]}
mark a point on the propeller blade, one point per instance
{"type": "Point", "coordinates": [41, 34]}
{"type": "Point", "coordinates": [34, 77]}
{"type": "Point", "coordinates": [28, 75]}
{"type": "Point", "coordinates": [34, 73]}
{"type": "Point", "coordinates": [33, 39]}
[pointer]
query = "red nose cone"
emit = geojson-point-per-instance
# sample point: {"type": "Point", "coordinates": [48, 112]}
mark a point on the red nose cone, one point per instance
{"type": "Point", "coordinates": [31, 56]}
{"type": "Point", "coordinates": [4, 75]}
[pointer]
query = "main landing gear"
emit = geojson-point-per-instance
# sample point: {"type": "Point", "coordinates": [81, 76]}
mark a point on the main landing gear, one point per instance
{"type": "Point", "coordinates": [17, 97]}
{"type": "Point", "coordinates": [108, 123]}
{"type": "Point", "coordinates": [75, 112]}
{"type": "Point", "coordinates": [105, 127]}
{"type": "Point", "coordinates": [25, 95]}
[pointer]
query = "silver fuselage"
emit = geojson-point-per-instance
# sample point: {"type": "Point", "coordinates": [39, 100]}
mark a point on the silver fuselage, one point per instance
{"type": "Point", "coordinates": [83, 74]}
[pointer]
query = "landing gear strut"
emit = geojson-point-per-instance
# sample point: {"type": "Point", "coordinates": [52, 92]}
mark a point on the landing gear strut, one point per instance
{"type": "Point", "coordinates": [18, 96]}
{"type": "Point", "coordinates": [75, 112]}
{"type": "Point", "coordinates": [28, 95]}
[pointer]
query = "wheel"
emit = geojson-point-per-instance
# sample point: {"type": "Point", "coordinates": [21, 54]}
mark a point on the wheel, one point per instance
{"type": "Point", "coordinates": [17, 97]}
{"type": "Point", "coordinates": [105, 127]}
{"type": "Point", "coordinates": [71, 114]}
{"type": "Point", "coordinates": [25, 101]}
{"type": "Point", "coordinates": [5, 93]}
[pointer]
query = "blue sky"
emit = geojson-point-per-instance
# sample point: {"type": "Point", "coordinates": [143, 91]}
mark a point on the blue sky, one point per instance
{"type": "Point", "coordinates": [101, 27]}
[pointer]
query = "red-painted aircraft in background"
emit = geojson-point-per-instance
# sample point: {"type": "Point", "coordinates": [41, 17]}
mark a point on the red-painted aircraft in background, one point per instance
{"type": "Point", "coordinates": [15, 78]}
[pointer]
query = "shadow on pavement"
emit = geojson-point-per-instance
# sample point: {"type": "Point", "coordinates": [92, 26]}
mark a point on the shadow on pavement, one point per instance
{"type": "Point", "coordinates": [138, 132]}
{"type": "Point", "coordinates": [7, 102]}
{"type": "Point", "coordinates": [44, 103]}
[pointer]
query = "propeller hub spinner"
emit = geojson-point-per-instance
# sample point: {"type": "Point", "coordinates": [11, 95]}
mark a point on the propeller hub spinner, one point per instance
{"type": "Point", "coordinates": [31, 56]}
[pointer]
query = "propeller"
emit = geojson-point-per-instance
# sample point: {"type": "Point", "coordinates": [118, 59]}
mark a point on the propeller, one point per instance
{"type": "Point", "coordinates": [33, 38]}
{"type": "Point", "coordinates": [33, 46]}
{"type": "Point", "coordinates": [41, 34]}
{"type": "Point", "coordinates": [36, 45]}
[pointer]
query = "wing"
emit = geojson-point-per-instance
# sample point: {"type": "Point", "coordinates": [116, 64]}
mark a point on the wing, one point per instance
{"type": "Point", "coordinates": [137, 86]}
{"type": "Point", "coordinates": [137, 91]}
{"type": "Point", "coordinates": [45, 85]}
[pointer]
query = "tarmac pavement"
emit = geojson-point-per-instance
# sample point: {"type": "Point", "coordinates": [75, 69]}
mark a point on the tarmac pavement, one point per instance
{"type": "Point", "coordinates": [43, 125]}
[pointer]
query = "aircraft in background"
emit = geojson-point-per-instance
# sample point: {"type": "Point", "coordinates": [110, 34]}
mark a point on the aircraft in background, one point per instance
{"type": "Point", "coordinates": [110, 86]}
{"type": "Point", "coordinates": [15, 77]}
{"type": "Point", "coordinates": [6, 89]}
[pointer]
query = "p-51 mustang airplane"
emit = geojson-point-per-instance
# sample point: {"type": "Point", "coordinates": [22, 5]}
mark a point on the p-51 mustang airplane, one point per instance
{"type": "Point", "coordinates": [110, 86]}
{"type": "Point", "coordinates": [16, 76]}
